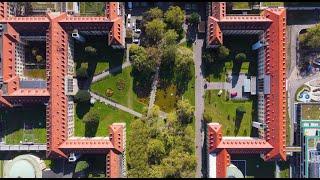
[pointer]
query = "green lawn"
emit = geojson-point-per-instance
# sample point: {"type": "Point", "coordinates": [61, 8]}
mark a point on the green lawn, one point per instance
{"type": "Point", "coordinates": [1, 168]}
{"type": "Point", "coordinates": [240, 5]}
{"type": "Point", "coordinates": [166, 98]}
{"type": "Point", "coordinates": [92, 8]}
{"type": "Point", "coordinates": [284, 169]}
{"type": "Point", "coordinates": [127, 96]}
{"type": "Point", "coordinates": [224, 112]}
{"type": "Point", "coordinates": [106, 56]}
{"type": "Point", "coordinates": [35, 73]}
{"type": "Point", "coordinates": [256, 167]}
{"type": "Point", "coordinates": [310, 111]}
{"type": "Point", "coordinates": [108, 115]}
{"type": "Point", "coordinates": [15, 118]}
{"type": "Point", "coordinates": [268, 4]}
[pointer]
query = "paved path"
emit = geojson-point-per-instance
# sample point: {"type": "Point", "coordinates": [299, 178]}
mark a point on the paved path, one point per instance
{"type": "Point", "coordinates": [294, 80]}
{"type": "Point", "coordinates": [153, 91]}
{"type": "Point", "coordinates": [218, 85]}
{"type": "Point", "coordinates": [106, 73]}
{"type": "Point", "coordinates": [114, 104]}
{"type": "Point", "coordinates": [199, 108]}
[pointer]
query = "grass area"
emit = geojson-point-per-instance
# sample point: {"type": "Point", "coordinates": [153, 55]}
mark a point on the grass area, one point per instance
{"type": "Point", "coordinates": [92, 8]}
{"type": "Point", "coordinates": [224, 112]}
{"type": "Point", "coordinates": [126, 96]}
{"type": "Point", "coordinates": [268, 4]}
{"type": "Point", "coordinates": [187, 44]}
{"type": "Point", "coordinates": [257, 167]}
{"type": "Point", "coordinates": [33, 117]}
{"type": "Point", "coordinates": [240, 5]}
{"type": "Point", "coordinates": [108, 115]}
{"type": "Point", "coordinates": [106, 56]}
{"type": "Point", "coordinates": [166, 98]}
{"type": "Point", "coordinates": [301, 17]}
{"type": "Point", "coordinates": [1, 168]}
{"type": "Point", "coordinates": [42, 5]}
{"type": "Point", "coordinates": [299, 90]}
{"type": "Point", "coordinates": [190, 92]}
{"type": "Point", "coordinates": [35, 73]}
{"type": "Point", "coordinates": [284, 169]}
{"type": "Point", "coordinates": [310, 111]}
{"type": "Point", "coordinates": [217, 70]}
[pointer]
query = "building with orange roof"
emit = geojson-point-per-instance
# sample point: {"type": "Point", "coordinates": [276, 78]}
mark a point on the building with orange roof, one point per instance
{"type": "Point", "coordinates": [55, 28]}
{"type": "Point", "coordinates": [270, 26]}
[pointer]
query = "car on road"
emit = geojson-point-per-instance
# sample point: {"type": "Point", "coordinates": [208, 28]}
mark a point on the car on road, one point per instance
{"type": "Point", "coordinates": [136, 41]}
{"type": "Point", "coordinates": [138, 31]}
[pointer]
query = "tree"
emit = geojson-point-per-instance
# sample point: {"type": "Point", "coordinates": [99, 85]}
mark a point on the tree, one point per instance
{"type": "Point", "coordinates": [194, 18]}
{"type": "Point", "coordinates": [185, 111]}
{"type": "Point", "coordinates": [179, 164]}
{"type": "Point", "coordinates": [312, 37]}
{"type": "Point", "coordinates": [174, 17]}
{"type": "Point", "coordinates": [155, 151]}
{"type": "Point", "coordinates": [129, 33]}
{"type": "Point", "coordinates": [223, 52]}
{"type": "Point", "coordinates": [169, 54]}
{"type": "Point", "coordinates": [154, 31]}
{"type": "Point", "coordinates": [34, 51]}
{"type": "Point", "coordinates": [153, 13]}
{"type": "Point", "coordinates": [155, 111]}
{"type": "Point", "coordinates": [241, 109]}
{"type": "Point", "coordinates": [90, 50]}
{"type": "Point", "coordinates": [81, 166]}
{"type": "Point", "coordinates": [82, 96]}
{"type": "Point", "coordinates": [91, 117]}
{"type": "Point", "coordinates": [183, 60]}
{"type": "Point", "coordinates": [240, 57]}
{"type": "Point", "coordinates": [170, 37]}
{"type": "Point", "coordinates": [154, 58]}
{"type": "Point", "coordinates": [39, 58]}
{"type": "Point", "coordinates": [137, 55]}
{"type": "Point", "coordinates": [207, 117]}
{"type": "Point", "coordinates": [82, 72]}
{"type": "Point", "coordinates": [208, 56]}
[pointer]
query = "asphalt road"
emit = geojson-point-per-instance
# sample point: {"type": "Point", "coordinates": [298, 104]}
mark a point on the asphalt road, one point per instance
{"type": "Point", "coordinates": [199, 108]}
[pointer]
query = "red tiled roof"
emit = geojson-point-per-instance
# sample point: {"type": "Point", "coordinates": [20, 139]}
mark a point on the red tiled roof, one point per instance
{"type": "Point", "coordinates": [273, 146]}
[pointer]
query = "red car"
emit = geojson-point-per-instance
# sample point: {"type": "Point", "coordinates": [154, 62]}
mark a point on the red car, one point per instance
{"type": "Point", "coordinates": [234, 94]}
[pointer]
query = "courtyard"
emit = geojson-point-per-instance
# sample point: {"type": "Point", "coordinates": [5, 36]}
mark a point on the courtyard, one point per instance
{"type": "Point", "coordinates": [25, 124]}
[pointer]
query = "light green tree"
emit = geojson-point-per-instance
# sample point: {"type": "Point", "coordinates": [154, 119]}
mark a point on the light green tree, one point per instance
{"type": "Point", "coordinates": [155, 30]}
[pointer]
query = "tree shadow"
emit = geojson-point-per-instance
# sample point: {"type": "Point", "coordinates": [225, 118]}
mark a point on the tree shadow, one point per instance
{"type": "Point", "coordinates": [237, 122]}
{"type": "Point", "coordinates": [82, 109]}
{"type": "Point", "coordinates": [91, 129]}
{"type": "Point", "coordinates": [182, 81]}
{"type": "Point", "coordinates": [234, 80]}
{"type": "Point", "coordinates": [254, 113]}
{"type": "Point", "coordinates": [141, 83]}
{"type": "Point", "coordinates": [191, 33]}
{"type": "Point", "coordinates": [236, 68]}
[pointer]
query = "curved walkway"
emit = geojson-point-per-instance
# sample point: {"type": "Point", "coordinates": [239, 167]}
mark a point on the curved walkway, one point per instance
{"type": "Point", "coordinates": [114, 104]}
{"type": "Point", "coordinates": [113, 70]}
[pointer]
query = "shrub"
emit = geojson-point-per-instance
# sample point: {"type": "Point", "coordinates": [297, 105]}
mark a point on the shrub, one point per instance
{"type": "Point", "coordinates": [39, 58]}
{"type": "Point", "coordinates": [91, 117]}
{"type": "Point", "coordinates": [109, 92]}
{"type": "Point", "coordinates": [241, 109]}
{"type": "Point", "coordinates": [82, 96]}
{"type": "Point", "coordinates": [120, 84]}
{"type": "Point", "coordinates": [91, 50]}
{"type": "Point", "coordinates": [129, 33]}
{"type": "Point", "coordinates": [240, 57]}
{"type": "Point", "coordinates": [223, 52]}
{"type": "Point", "coordinates": [82, 72]}
{"type": "Point", "coordinates": [194, 18]}
{"type": "Point", "coordinates": [81, 165]}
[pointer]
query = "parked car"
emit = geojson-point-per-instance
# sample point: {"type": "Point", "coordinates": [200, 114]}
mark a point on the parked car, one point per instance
{"type": "Point", "coordinates": [234, 94]}
{"type": "Point", "coordinates": [136, 41]}
{"type": "Point", "coordinates": [138, 31]}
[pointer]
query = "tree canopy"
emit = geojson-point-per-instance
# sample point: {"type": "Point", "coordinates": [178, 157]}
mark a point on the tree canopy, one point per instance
{"type": "Point", "coordinates": [155, 151]}
{"type": "Point", "coordinates": [174, 17]}
{"type": "Point", "coordinates": [90, 50]}
{"type": "Point", "coordinates": [81, 165]}
{"type": "Point", "coordinates": [82, 72]}
{"type": "Point", "coordinates": [240, 57]}
{"type": "Point", "coordinates": [82, 96]}
{"type": "Point", "coordinates": [153, 13]}
{"type": "Point", "coordinates": [223, 52]}
{"type": "Point", "coordinates": [170, 37]}
{"type": "Point", "coordinates": [91, 117]}
{"type": "Point", "coordinates": [194, 18]}
{"type": "Point", "coordinates": [185, 111]}
{"type": "Point", "coordinates": [312, 37]}
{"type": "Point", "coordinates": [155, 30]}
{"type": "Point", "coordinates": [184, 59]}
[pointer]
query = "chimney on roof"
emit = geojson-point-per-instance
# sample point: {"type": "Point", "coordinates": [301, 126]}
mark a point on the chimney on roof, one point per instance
{"type": "Point", "coordinates": [77, 36]}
